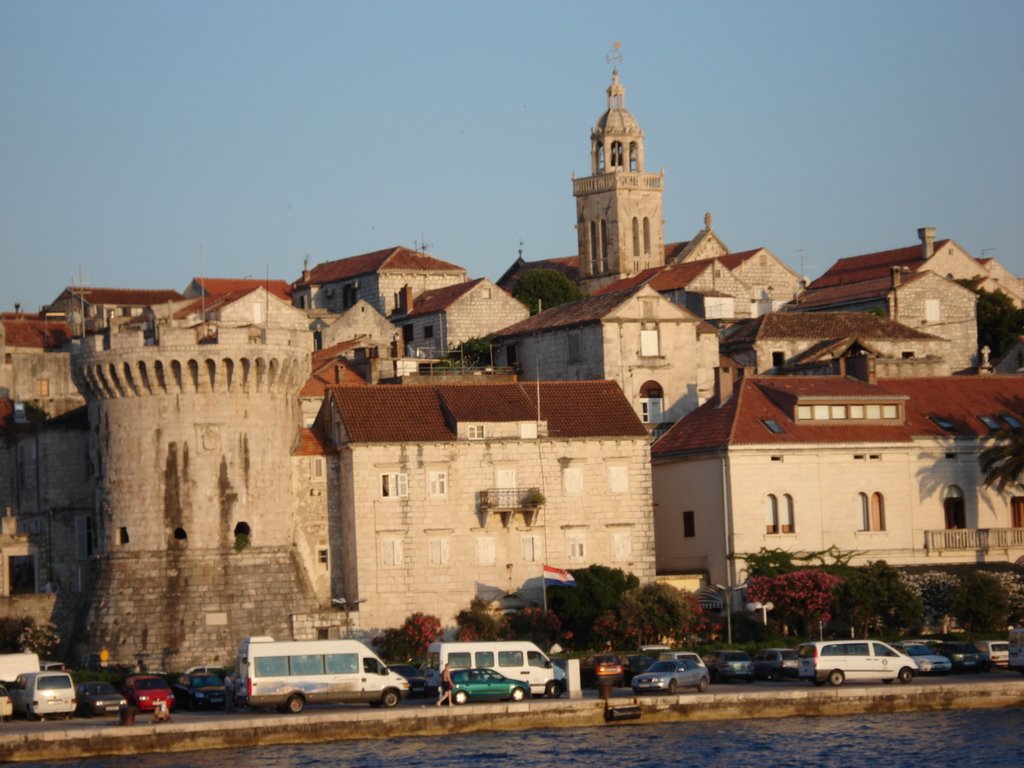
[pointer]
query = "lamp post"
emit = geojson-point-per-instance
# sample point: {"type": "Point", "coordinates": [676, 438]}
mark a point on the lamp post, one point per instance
{"type": "Point", "coordinates": [728, 592]}
{"type": "Point", "coordinates": [346, 606]}
{"type": "Point", "coordinates": [763, 608]}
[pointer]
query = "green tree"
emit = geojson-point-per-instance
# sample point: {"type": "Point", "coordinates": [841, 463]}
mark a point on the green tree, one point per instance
{"type": "Point", "coordinates": [10, 632]}
{"type": "Point", "coordinates": [656, 613]}
{"type": "Point", "coordinates": [478, 622]}
{"type": "Point", "coordinates": [875, 598]}
{"type": "Point", "coordinates": [546, 287]}
{"type": "Point", "coordinates": [472, 353]}
{"type": "Point", "coordinates": [980, 603]}
{"type": "Point", "coordinates": [598, 590]}
{"type": "Point", "coordinates": [1000, 323]}
{"type": "Point", "coordinates": [540, 626]}
{"type": "Point", "coordinates": [1002, 463]}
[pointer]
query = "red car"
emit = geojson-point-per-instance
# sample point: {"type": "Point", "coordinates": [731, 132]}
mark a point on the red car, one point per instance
{"type": "Point", "coordinates": [144, 691]}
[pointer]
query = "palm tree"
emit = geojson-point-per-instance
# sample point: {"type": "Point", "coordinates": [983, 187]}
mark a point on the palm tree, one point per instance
{"type": "Point", "coordinates": [1003, 461]}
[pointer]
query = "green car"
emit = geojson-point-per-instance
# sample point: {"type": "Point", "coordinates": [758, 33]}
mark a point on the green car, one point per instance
{"type": "Point", "coordinates": [482, 684]}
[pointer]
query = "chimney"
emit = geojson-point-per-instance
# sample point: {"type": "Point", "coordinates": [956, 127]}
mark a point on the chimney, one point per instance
{"type": "Point", "coordinates": [927, 236]}
{"type": "Point", "coordinates": [406, 299]}
{"type": "Point", "coordinates": [724, 381]}
{"type": "Point", "coordinates": [896, 277]}
{"type": "Point", "coordinates": [305, 270]}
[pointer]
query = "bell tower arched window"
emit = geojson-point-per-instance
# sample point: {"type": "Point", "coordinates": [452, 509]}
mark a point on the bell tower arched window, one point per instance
{"type": "Point", "coordinates": [600, 157]}
{"type": "Point", "coordinates": [636, 236]}
{"type": "Point", "coordinates": [594, 249]}
{"type": "Point", "coordinates": [634, 157]}
{"type": "Point", "coordinates": [604, 246]}
{"type": "Point", "coordinates": [647, 236]}
{"type": "Point", "coordinates": [617, 155]}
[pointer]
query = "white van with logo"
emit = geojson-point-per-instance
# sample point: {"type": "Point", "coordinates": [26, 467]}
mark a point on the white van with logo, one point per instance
{"type": "Point", "coordinates": [517, 659]}
{"type": "Point", "coordinates": [38, 695]}
{"type": "Point", "coordinates": [834, 661]}
{"type": "Point", "coordinates": [290, 674]}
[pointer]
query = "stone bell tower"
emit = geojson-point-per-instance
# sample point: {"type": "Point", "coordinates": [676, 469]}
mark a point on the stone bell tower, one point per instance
{"type": "Point", "coordinates": [619, 224]}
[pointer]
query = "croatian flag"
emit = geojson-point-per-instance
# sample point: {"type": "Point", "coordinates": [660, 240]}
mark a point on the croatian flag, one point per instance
{"type": "Point", "coordinates": [556, 577]}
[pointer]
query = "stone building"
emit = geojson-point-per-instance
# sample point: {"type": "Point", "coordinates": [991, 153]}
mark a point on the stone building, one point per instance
{"type": "Point", "coordinates": [384, 279]}
{"type": "Point", "coordinates": [35, 362]}
{"type": "Point", "coordinates": [439, 320]}
{"type": "Point", "coordinates": [661, 356]}
{"type": "Point", "coordinates": [93, 310]}
{"type": "Point", "coordinates": [446, 493]}
{"type": "Point", "coordinates": [619, 222]}
{"type": "Point", "coordinates": [826, 342]}
{"type": "Point", "coordinates": [879, 470]}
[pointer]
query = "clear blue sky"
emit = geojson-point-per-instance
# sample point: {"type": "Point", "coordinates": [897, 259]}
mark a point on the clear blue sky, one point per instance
{"type": "Point", "coordinates": [137, 135]}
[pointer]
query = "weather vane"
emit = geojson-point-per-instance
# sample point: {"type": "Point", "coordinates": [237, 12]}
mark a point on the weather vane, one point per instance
{"type": "Point", "coordinates": [614, 56]}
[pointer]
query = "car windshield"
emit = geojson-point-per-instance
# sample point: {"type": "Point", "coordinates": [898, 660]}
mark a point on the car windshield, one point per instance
{"type": "Point", "coordinates": [150, 684]}
{"type": "Point", "coordinates": [917, 650]}
{"type": "Point", "coordinates": [96, 688]}
{"type": "Point", "coordinates": [736, 656]}
{"type": "Point", "coordinates": [663, 666]}
{"type": "Point", "coordinates": [205, 680]}
{"type": "Point", "coordinates": [789, 655]}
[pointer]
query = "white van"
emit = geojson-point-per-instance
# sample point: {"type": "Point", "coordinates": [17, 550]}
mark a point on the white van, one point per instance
{"type": "Point", "coordinates": [37, 695]}
{"type": "Point", "coordinates": [13, 664]}
{"type": "Point", "coordinates": [518, 659]}
{"type": "Point", "coordinates": [290, 674]}
{"type": "Point", "coordinates": [834, 661]}
{"type": "Point", "coordinates": [1016, 650]}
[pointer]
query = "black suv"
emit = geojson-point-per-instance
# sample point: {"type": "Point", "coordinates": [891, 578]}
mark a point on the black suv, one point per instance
{"type": "Point", "coordinates": [965, 657]}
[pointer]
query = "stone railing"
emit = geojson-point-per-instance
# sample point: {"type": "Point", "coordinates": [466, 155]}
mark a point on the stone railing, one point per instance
{"type": "Point", "coordinates": [506, 502]}
{"type": "Point", "coordinates": [623, 180]}
{"type": "Point", "coordinates": [974, 539]}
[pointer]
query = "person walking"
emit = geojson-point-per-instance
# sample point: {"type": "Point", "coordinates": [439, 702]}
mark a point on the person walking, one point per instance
{"type": "Point", "coordinates": [446, 686]}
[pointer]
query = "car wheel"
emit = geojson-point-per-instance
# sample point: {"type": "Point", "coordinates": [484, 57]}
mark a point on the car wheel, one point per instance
{"type": "Point", "coordinates": [295, 704]}
{"type": "Point", "coordinates": [518, 694]}
{"type": "Point", "coordinates": [553, 689]}
{"type": "Point", "coordinates": [390, 698]}
{"type": "Point", "coordinates": [672, 687]}
{"type": "Point", "coordinates": [836, 677]}
{"type": "Point", "coordinates": [906, 675]}
{"type": "Point", "coordinates": [702, 685]}
{"type": "Point", "coordinates": [460, 697]}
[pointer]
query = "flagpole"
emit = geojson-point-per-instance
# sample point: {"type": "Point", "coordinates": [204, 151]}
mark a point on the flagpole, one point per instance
{"type": "Point", "coordinates": [544, 587]}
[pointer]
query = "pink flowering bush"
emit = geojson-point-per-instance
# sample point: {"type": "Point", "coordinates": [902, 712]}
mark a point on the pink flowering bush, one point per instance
{"type": "Point", "coordinates": [801, 598]}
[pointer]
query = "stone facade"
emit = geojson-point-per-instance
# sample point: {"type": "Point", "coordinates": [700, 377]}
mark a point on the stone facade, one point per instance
{"type": "Point", "coordinates": [35, 363]}
{"type": "Point", "coordinates": [434, 512]}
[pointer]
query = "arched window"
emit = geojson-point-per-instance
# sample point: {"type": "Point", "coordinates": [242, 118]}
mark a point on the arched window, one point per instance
{"type": "Point", "coordinates": [652, 401]}
{"type": "Point", "coordinates": [242, 536]}
{"type": "Point", "coordinates": [617, 154]}
{"type": "Point", "coordinates": [634, 157]}
{"type": "Point", "coordinates": [788, 515]}
{"type": "Point", "coordinates": [647, 236]}
{"type": "Point", "coordinates": [864, 507]}
{"type": "Point", "coordinates": [771, 514]}
{"type": "Point", "coordinates": [600, 158]}
{"type": "Point", "coordinates": [953, 504]}
{"type": "Point", "coordinates": [877, 512]}
{"type": "Point", "coordinates": [604, 246]}
{"type": "Point", "coordinates": [594, 263]}
{"type": "Point", "coordinates": [636, 236]}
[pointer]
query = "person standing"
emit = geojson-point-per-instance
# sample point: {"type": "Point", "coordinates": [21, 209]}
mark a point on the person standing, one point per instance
{"type": "Point", "coordinates": [229, 693]}
{"type": "Point", "coordinates": [446, 686]}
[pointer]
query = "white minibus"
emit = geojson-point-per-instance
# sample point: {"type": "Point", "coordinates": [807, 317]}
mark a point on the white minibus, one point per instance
{"type": "Point", "coordinates": [39, 694]}
{"type": "Point", "coordinates": [291, 674]}
{"type": "Point", "coordinates": [834, 661]}
{"type": "Point", "coordinates": [518, 659]}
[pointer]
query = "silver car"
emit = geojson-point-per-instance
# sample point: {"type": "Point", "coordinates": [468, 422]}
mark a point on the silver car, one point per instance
{"type": "Point", "coordinates": [670, 676]}
{"type": "Point", "coordinates": [928, 661]}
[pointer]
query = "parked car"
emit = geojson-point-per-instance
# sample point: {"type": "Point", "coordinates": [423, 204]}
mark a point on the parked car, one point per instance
{"type": "Point", "coordinates": [776, 663]}
{"type": "Point", "coordinates": [96, 697]}
{"type": "Point", "coordinates": [46, 665]}
{"type": "Point", "coordinates": [634, 665]}
{"type": "Point", "coordinates": [481, 684]}
{"type": "Point", "coordinates": [6, 708]}
{"type": "Point", "coordinates": [199, 691]}
{"type": "Point", "coordinates": [678, 655]}
{"type": "Point", "coordinates": [603, 668]}
{"type": "Point", "coordinates": [417, 680]}
{"type": "Point", "coordinates": [835, 661]}
{"type": "Point", "coordinates": [207, 669]}
{"type": "Point", "coordinates": [144, 691]}
{"type": "Point", "coordinates": [928, 661]}
{"type": "Point", "coordinates": [997, 652]}
{"type": "Point", "coordinates": [38, 695]}
{"type": "Point", "coordinates": [964, 656]}
{"type": "Point", "coordinates": [669, 676]}
{"type": "Point", "coordinates": [726, 665]}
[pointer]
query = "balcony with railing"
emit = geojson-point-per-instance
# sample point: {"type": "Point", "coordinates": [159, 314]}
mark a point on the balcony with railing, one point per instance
{"type": "Point", "coordinates": [506, 502]}
{"type": "Point", "coordinates": [977, 539]}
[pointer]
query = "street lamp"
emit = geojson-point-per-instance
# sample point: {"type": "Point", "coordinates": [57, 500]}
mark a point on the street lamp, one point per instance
{"type": "Point", "coordinates": [346, 606]}
{"type": "Point", "coordinates": [763, 608]}
{"type": "Point", "coordinates": [727, 592]}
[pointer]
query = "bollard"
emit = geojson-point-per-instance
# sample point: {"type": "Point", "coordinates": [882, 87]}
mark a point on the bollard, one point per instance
{"type": "Point", "coordinates": [126, 715]}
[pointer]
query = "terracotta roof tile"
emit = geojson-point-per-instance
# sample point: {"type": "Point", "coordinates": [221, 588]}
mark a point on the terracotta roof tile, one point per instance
{"type": "Point", "coordinates": [423, 413]}
{"type": "Point", "coordinates": [218, 285]}
{"type": "Point", "coordinates": [214, 303]}
{"type": "Point", "coordinates": [668, 278]}
{"type": "Point", "coordinates": [823, 326]}
{"type": "Point", "coordinates": [397, 258]}
{"type": "Point", "coordinates": [312, 442]}
{"type": "Point", "coordinates": [582, 312]}
{"type": "Point", "coordinates": [440, 299]}
{"type": "Point", "coordinates": [125, 297]}
{"type": "Point", "coordinates": [870, 266]}
{"type": "Point", "coordinates": [34, 332]}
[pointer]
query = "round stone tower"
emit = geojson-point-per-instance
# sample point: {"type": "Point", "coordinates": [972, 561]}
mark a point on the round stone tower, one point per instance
{"type": "Point", "coordinates": [194, 413]}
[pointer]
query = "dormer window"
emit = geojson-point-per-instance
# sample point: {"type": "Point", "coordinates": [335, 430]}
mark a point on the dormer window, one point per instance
{"type": "Point", "coordinates": [990, 421]}
{"type": "Point", "coordinates": [773, 426]}
{"type": "Point", "coordinates": [475, 432]}
{"type": "Point", "coordinates": [944, 423]}
{"type": "Point", "coordinates": [1013, 421]}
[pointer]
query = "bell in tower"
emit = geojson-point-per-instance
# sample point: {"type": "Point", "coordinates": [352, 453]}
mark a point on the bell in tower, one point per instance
{"type": "Point", "coordinates": [619, 225]}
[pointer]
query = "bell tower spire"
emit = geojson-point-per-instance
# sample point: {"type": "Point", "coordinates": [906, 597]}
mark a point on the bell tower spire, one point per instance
{"type": "Point", "coordinates": [619, 225]}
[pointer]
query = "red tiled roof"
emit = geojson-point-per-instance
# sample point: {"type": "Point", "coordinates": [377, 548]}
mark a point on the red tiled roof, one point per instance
{"type": "Point", "coordinates": [668, 278]}
{"type": "Point", "coordinates": [672, 250]}
{"type": "Point", "coordinates": [397, 258]}
{"type": "Point", "coordinates": [848, 293]}
{"type": "Point", "coordinates": [122, 297]}
{"type": "Point", "coordinates": [331, 369]}
{"type": "Point", "coordinates": [439, 299]}
{"type": "Point", "coordinates": [213, 303]}
{"type": "Point", "coordinates": [34, 332]}
{"type": "Point", "coordinates": [740, 420]}
{"type": "Point", "coordinates": [733, 260]}
{"type": "Point", "coordinates": [420, 413]}
{"type": "Point", "coordinates": [582, 312]}
{"type": "Point", "coordinates": [822, 326]}
{"type": "Point", "coordinates": [312, 442]}
{"type": "Point", "coordinates": [869, 266]}
{"type": "Point", "coordinates": [217, 285]}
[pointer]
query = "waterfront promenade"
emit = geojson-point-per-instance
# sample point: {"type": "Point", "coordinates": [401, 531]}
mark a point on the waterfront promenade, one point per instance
{"type": "Point", "coordinates": [25, 742]}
